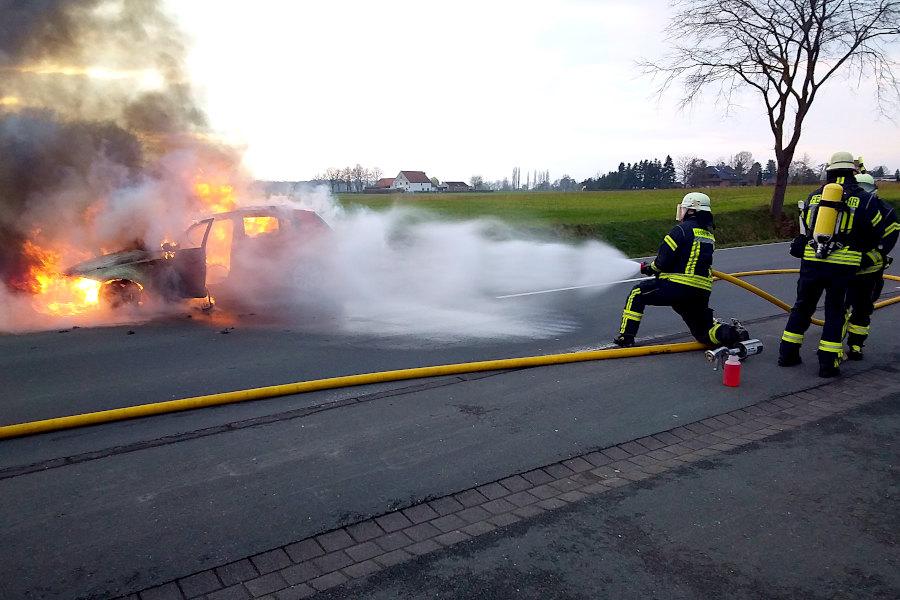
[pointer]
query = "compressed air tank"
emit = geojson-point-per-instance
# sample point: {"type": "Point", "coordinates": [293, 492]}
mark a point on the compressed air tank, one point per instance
{"type": "Point", "coordinates": [827, 214]}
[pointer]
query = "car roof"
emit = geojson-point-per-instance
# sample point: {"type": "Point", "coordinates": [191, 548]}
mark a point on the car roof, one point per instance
{"type": "Point", "coordinates": [255, 210]}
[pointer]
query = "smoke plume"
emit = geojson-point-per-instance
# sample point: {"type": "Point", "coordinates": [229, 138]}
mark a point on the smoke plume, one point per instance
{"type": "Point", "coordinates": [100, 138]}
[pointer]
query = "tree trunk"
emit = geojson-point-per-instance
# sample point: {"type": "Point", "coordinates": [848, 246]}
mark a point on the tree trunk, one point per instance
{"type": "Point", "coordinates": [783, 158]}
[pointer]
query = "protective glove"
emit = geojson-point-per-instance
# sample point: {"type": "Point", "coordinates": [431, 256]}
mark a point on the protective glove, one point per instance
{"type": "Point", "coordinates": [646, 269]}
{"type": "Point", "coordinates": [798, 245]}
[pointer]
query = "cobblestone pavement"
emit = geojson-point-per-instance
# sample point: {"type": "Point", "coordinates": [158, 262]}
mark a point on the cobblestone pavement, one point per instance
{"type": "Point", "coordinates": [333, 558]}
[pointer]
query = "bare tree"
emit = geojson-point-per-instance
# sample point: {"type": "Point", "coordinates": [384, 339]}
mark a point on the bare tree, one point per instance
{"type": "Point", "coordinates": [685, 165]}
{"type": "Point", "coordinates": [476, 181]}
{"type": "Point", "coordinates": [358, 175]}
{"type": "Point", "coordinates": [785, 50]}
{"type": "Point", "coordinates": [741, 162]}
{"type": "Point", "coordinates": [347, 178]}
{"type": "Point", "coordinates": [694, 172]}
{"type": "Point", "coordinates": [333, 175]}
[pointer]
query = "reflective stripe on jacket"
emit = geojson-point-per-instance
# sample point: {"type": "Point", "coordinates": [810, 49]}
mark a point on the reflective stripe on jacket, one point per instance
{"type": "Point", "coordinates": [685, 255]}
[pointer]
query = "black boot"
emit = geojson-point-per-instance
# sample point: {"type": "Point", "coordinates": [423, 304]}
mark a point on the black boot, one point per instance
{"type": "Point", "coordinates": [731, 335]}
{"type": "Point", "coordinates": [789, 355]}
{"type": "Point", "coordinates": [624, 341]}
{"type": "Point", "coordinates": [855, 341]}
{"type": "Point", "coordinates": [829, 364]}
{"type": "Point", "coordinates": [737, 333]}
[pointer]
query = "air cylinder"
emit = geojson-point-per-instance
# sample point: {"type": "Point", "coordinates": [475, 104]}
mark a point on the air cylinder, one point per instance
{"type": "Point", "coordinates": [827, 215]}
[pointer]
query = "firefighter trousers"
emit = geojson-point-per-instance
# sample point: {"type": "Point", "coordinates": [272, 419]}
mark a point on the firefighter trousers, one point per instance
{"type": "Point", "coordinates": [816, 279]}
{"type": "Point", "coordinates": [861, 296]}
{"type": "Point", "coordinates": [691, 304]}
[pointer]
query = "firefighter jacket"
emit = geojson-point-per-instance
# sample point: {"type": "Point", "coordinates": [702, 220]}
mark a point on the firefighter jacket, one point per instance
{"type": "Point", "coordinates": [886, 229]}
{"type": "Point", "coordinates": [856, 233]}
{"type": "Point", "coordinates": [686, 253]}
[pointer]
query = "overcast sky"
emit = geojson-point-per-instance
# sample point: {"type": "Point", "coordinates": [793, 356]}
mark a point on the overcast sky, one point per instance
{"type": "Point", "coordinates": [475, 87]}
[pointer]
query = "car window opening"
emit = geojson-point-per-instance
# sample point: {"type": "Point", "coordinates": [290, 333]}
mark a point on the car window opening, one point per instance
{"type": "Point", "coordinates": [257, 226]}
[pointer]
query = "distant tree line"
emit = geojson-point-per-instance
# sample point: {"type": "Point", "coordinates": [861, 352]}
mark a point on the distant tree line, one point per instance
{"type": "Point", "coordinates": [535, 181]}
{"type": "Point", "coordinates": [686, 171]}
{"type": "Point", "coordinates": [349, 179]}
{"type": "Point", "coordinates": [692, 170]}
{"type": "Point", "coordinates": [644, 175]}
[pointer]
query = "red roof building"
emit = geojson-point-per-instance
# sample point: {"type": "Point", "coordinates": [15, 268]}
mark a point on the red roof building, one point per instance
{"type": "Point", "coordinates": [413, 181]}
{"type": "Point", "coordinates": [415, 176]}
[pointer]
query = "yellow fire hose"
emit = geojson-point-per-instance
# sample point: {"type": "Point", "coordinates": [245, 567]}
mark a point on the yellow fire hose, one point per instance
{"type": "Point", "coordinates": [733, 278]}
{"type": "Point", "coordinates": [157, 408]}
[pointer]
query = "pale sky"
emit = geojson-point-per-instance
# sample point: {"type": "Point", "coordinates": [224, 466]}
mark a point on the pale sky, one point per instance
{"type": "Point", "coordinates": [475, 87]}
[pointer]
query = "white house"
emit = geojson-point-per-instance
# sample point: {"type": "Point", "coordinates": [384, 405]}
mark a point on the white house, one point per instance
{"type": "Point", "coordinates": [413, 181]}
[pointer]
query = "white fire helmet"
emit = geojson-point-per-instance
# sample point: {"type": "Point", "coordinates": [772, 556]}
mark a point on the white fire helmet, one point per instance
{"type": "Point", "coordinates": [692, 201]}
{"type": "Point", "coordinates": [866, 182]}
{"type": "Point", "coordinates": [841, 160]}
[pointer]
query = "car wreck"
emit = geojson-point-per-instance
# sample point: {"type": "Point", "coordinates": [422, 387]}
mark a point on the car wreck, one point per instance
{"type": "Point", "coordinates": [211, 255]}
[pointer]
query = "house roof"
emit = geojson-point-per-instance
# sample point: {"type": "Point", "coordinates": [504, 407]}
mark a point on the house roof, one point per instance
{"type": "Point", "coordinates": [384, 182]}
{"type": "Point", "coordinates": [722, 172]}
{"type": "Point", "coordinates": [415, 176]}
{"type": "Point", "coordinates": [456, 183]}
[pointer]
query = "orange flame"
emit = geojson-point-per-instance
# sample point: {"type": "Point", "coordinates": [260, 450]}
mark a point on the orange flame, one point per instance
{"type": "Point", "coordinates": [54, 293]}
{"type": "Point", "coordinates": [216, 198]}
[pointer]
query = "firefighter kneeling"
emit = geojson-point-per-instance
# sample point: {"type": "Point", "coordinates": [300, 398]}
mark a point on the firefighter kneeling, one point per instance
{"type": "Point", "coordinates": [682, 279]}
{"type": "Point", "coordinates": [836, 224]}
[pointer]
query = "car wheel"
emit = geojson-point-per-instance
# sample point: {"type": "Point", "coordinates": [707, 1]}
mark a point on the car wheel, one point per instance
{"type": "Point", "coordinates": [118, 293]}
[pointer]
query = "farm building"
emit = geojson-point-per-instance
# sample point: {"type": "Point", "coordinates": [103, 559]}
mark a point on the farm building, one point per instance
{"type": "Point", "coordinates": [720, 176]}
{"type": "Point", "coordinates": [382, 186]}
{"type": "Point", "coordinates": [456, 186]}
{"type": "Point", "coordinates": [413, 181]}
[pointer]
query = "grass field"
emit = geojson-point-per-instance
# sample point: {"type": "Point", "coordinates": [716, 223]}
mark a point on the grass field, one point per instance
{"type": "Point", "coordinates": [633, 221]}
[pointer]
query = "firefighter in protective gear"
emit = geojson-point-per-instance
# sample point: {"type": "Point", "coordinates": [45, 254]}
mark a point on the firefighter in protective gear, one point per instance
{"type": "Point", "coordinates": [866, 285]}
{"type": "Point", "coordinates": [837, 229]}
{"type": "Point", "coordinates": [682, 279]}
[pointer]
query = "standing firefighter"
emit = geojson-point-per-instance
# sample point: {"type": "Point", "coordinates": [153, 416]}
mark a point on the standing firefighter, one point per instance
{"type": "Point", "coordinates": [868, 282]}
{"type": "Point", "coordinates": [682, 279]}
{"type": "Point", "coordinates": [837, 228]}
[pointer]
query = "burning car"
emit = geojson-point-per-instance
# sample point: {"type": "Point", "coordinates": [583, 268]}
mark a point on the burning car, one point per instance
{"type": "Point", "coordinates": [214, 254]}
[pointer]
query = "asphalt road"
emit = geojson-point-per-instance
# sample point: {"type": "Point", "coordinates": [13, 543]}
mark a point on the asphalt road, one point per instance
{"type": "Point", "coordinates": [809, 513]}
{"type": "Point", "coordinates": [107, 510]}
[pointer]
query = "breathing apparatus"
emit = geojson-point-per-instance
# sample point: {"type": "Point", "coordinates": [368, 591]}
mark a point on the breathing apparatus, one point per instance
{"type": "Point", "coordinates": [825, 219]}
{"type": "Point", "coordinates": [821, 219]}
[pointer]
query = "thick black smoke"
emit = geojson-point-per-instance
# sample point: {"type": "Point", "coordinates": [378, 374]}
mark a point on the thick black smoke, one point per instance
{"type": "Point", "coordinates": [50, 172]}
{"type": "Point", "coordinates": [93, 97]}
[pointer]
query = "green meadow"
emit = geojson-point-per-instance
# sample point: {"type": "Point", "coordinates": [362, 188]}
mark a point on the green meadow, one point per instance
{"type": "Point", "coordinates": [633, 221]}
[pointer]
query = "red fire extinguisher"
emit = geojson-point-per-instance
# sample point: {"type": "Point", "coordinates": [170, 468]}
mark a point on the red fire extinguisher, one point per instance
{"type": "Point", "coordinates": [731, 372]}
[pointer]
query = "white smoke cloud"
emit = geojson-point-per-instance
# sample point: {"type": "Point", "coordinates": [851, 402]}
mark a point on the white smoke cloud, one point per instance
{"type": "Point", "coordinates": [402, 272]}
